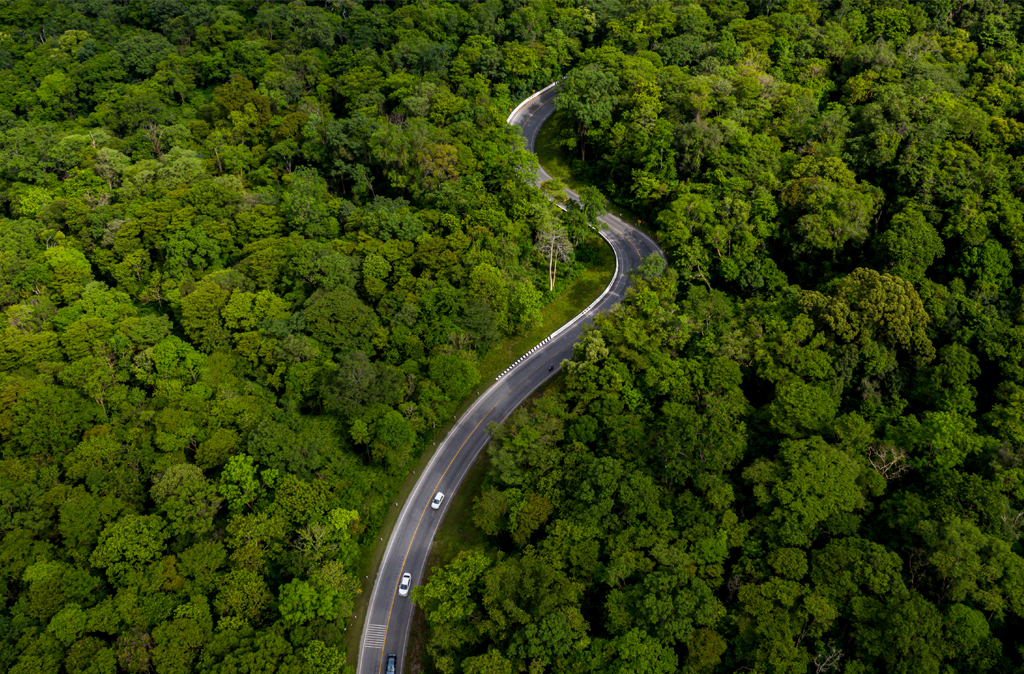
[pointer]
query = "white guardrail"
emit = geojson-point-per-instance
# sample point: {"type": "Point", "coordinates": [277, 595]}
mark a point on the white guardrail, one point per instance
{"type": "Point", "coordinates": [580, 316]}
{"type": "Point", "coordinates": [527, 100]}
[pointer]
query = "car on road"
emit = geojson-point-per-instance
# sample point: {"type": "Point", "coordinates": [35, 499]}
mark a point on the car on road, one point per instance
{"type": "Point", "coordinates": [403, 587]}
{"type": "Point", "coordinates": [391, 663]}
{"type": "Point", "coordinates": [436, 503]}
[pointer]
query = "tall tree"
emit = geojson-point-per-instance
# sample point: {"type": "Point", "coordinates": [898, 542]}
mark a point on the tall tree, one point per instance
{"type": "Point", "coordinates": [554, 245]}
{"type": "Point", "coordinates": [587, 94]}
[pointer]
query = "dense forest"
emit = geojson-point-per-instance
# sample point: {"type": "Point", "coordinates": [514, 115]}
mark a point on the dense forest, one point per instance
{"type": "Point", "coordinates": [800, 447]}
{"type": "Point", "coordinates": [251, 255]}
{"type": "Point", "coordinates": [252, 252]}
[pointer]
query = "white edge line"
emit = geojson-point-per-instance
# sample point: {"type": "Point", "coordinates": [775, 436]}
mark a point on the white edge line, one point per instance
{"type": "Point", "coordinates": [575, 319]}
{"type": "Point", "coordinates": [437, 452]}
{"type": "Point", "coordinates": [401, 514]}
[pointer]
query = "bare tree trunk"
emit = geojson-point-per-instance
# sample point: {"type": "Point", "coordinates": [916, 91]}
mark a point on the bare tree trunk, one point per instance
{"type": "Point", "coordinates": [553, 243]}
{"type": "Point", "coordinates": [155, 132]}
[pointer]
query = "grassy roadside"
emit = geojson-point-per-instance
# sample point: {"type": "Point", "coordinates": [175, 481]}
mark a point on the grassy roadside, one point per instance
{"type": "Point", "coordinates": [456, 533]}
{"type": "Point", "coordinates": [557, 161]}
{"type": "Point", "coordinates": [574, 299]}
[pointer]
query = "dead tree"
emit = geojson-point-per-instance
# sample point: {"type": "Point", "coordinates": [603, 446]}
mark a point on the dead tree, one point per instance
{"type": "Point", "coordinates": [889, 461]}
{"type": "Point", "coordinates": [553, 243]}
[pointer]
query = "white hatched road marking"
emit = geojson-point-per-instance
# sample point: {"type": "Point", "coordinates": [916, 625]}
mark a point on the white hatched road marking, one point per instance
{"type": "Point", "coordinates": [375, 636]}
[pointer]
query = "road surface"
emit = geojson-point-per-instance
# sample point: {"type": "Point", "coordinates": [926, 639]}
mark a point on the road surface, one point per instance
{"type": "Point", "coordinates": [389, 616]}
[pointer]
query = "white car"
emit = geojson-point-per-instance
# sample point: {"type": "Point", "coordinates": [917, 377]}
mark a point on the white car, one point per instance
{"type": "Point", "coordinates": [405, 585]}
{"type": "Point", "coordinates": [436, 503]}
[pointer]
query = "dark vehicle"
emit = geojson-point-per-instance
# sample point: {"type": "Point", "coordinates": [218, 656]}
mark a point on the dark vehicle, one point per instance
{"type": "Point", "coordinates": [391, 663]}
{"type": "Point", "coordinates": [551, 368]}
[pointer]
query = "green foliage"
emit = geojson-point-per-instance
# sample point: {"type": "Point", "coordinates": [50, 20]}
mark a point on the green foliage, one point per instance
{"type": "Point", "coordinates": [238, 482]}
{"type": "Point", "coordinates": [323, 659]}
{"type": "Point", "coordinates": [340, 321]}
{"type": "Point", "coordinates": [306, 206]}
{"type": "Point", "coordinates": [827, 205]}
{"type": "Point", "coordinates": [129, 543]}
{"type": "Point", "coordinates": [588, 95]}
{"type": "Point", "coordinates": [188, 498]}
{"type": "Point", "coordinates": [811, 483]}
{"type": "Point", "coordinates": [300, 602]}
{"type": "Point", "coordinates": [251, 254]}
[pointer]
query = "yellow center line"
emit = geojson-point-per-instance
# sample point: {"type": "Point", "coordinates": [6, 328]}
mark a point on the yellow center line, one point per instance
{"type": "Point", "coordinates": [391, 608]}
{"type": "Point", "coordinates": [387, 623]}
{"type": "Point", "coordinates": [628, 240]}
{"type": "Point", "coordinates": [543, 103]}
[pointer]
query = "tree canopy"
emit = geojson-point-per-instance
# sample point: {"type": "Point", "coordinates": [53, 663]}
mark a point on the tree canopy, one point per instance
{"type": "Point", "coordinates": [798, 447]}
{"type": "Point", "coordinates": [252, 254]}
{"type": "Point", "coordinates": [251, 257]}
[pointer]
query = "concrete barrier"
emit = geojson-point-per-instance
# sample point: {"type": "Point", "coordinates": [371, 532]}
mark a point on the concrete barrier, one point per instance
{"type": "Point", "coordinates": [526, 101]}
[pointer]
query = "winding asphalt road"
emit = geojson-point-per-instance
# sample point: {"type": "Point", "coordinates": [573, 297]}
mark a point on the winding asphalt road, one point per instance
{"type": "Point", "coordinates": [389, 616]}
